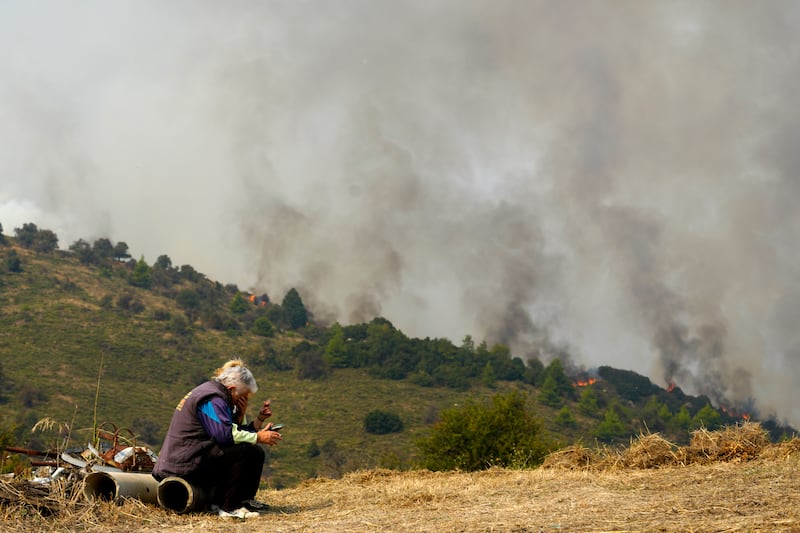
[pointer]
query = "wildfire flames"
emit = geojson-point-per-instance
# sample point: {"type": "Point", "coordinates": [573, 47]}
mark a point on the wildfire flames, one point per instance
{"type": "Point", "coordinates": [729, 411]}
{"type": "Point", "coordinates": [733, 413]}
{"type": "Point", "coordinates": [260, 301]}
{"type": "Point", "coordinates": [585, 383]}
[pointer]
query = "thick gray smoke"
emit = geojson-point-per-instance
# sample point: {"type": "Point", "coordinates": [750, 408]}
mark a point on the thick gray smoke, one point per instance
{"type": "Point", "coordinates": [617, 179]}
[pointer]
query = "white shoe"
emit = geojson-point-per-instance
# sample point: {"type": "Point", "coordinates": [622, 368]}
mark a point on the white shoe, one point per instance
{"type": "Point", "coordinates": [241, 513]}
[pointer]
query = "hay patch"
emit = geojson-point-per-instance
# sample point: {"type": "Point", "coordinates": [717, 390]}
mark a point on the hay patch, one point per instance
{"type": "Point", "coordinates": [735, 443]}
{"type": "Point", "coordinates": [576, 457]}
{"type": "Point", "coordinates": [782, 451]}
{"type": "Point", "coordinates": [651, 451]}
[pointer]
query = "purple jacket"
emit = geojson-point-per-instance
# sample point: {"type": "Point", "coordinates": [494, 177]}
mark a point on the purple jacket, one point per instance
{"type": "Point", "coordinates": [188, 442]}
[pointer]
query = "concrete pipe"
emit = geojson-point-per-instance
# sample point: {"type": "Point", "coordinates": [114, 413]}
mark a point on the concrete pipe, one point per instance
{"type": "Point", "coordinates": [179, 495]}
{"type": "Point", "coordinates": [113, 486]}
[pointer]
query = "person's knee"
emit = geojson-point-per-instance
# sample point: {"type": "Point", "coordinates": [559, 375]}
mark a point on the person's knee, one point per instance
{"type": "Point", "coordinates": [256, 453]}
{"type": "Point", "coordinates": [249, 452]}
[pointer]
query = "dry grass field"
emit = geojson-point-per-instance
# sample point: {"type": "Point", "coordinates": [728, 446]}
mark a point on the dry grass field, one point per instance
{"type": "Point", "coordinates": [721, 482]}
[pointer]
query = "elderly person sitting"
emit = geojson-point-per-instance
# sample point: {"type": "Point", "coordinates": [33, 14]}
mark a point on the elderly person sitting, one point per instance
{"type": "Point", "coordinates": [210, 444]}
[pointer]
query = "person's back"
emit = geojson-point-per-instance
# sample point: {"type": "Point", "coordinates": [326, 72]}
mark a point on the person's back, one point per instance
{"type": "Point", "coordinates": [187, 442]}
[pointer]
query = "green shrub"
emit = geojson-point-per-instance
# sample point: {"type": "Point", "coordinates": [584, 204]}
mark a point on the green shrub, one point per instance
{"type": "Point", "coordinates": [707, 417]}
{"type": "Point", "coordinates": [13, 262]}
{"type": "Point", "coordinates": [611, 428]}
{"type": "Point", "coordinates": [382, 422]}
{"type": "Point", "coordinates": [588, 402]}
{"type": "Point", "coordinates": [238, 304]}
{"type": "Point", "coordinates": [564, 418]}
{"type": "Point", "coordinates": [501, 432]}
{"type": "Point", "coordinates": [312, 450]}
{"type": "Point", "coordinates": [310, 363]}
{"type": "Point", "coordinates": [263, 327]}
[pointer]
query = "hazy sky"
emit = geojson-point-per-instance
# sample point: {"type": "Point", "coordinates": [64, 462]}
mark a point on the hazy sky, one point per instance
{"type": "Point", "coordinates": [617, 180]}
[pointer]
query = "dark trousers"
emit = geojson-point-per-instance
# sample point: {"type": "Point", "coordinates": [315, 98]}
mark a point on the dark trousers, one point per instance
{"type": "Point", "coordinates": [234, 476]}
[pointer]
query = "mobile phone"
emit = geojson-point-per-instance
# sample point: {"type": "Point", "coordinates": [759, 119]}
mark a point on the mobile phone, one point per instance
{"type": "Point", "coordinates": [276, 427]}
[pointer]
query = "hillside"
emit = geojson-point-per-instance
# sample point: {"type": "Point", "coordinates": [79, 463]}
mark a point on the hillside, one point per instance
{"type": "Point", "coordinates": [57, 338]}
{"type": "Point", "coordinates": [84, 340]}
{"type": "Point", "coordinates": [65, 329]}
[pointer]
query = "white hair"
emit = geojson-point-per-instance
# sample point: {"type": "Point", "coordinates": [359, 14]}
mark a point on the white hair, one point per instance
{"type": "Point", "coordinates": [237, 376]}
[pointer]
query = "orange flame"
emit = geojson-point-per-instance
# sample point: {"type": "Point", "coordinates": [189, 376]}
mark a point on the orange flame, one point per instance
{"type": "Point", "coordinates": [671, 386]}
{"type": "Point", "coordinates": [733, 413]}
{"type": "Point", "coordinates": [586, 383]}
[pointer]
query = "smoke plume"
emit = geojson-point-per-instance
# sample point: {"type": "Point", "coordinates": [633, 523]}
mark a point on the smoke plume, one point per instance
{"type": "Point", "coordinates": [617, 180]}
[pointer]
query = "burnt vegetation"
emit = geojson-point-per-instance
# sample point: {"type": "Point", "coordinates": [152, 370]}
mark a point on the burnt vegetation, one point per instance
{"type": "Point", "coordinates": [165, 323]}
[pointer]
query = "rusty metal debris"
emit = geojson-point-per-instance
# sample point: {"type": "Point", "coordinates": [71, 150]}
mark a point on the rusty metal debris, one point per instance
{"type": "Point", "coordinates": [116, 451]}
{"type": "Point", "coordinates": [28, 451]}
{"type": "Point", "coordinates": [113, 467]}
{"type": "Point", "coordinates": [120, 451]}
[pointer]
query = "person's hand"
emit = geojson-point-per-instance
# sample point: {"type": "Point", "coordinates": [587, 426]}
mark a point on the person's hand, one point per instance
{"type": "Point", "coordinates": [241, 407]}
{"type": "Point", "coordinates": [268, 437]}
{"type": "Point", "coordinates": [265, 411]}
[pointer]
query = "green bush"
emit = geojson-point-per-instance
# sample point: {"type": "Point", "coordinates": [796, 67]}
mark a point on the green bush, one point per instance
{"type": "Point", "coordinates": [501, 432]}
{"type": "Point", "coordinates": [310, 363]}
{"type": "Point", "coordinates": [611, 428]}
{"type": "Point", "coordinates": [564, 418]}
{"type": "Point", "coordinates": [238, 305]}
{"type": "Point", "coordinates": [312, 450]}
{"type": "Point", "coordinates": [587, 404]}
{"type": "Point", "coordinates": [381, 422]}
{"type": "Point", "coordinates": [707, 417]}
{"type": "Point", "coordinates": [13, 262]}
{"type": "Point", "coordinates": [263, 327]}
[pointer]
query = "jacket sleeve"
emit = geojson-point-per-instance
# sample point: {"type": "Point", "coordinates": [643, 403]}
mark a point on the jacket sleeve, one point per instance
{"type": "Point", "coordinates": [244, 434]}
{"type": "Point", "coordinates": [216, 418]}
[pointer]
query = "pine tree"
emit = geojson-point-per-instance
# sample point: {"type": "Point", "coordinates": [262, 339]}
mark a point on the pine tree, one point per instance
{"type": "Point", "coordinates": [488, 377]}
{"type": "Point", "coordinates": [564, 418]}
{"type": "Point", "coordinates": [610, 428]}
{"type": "Point", "coordinates": [707, 417]}
{"type": "Point", "coordinates": [681, 421]}
{"type": "Point", "coordinates": [588, 402]}
{"type": "Point", "coordinates": [550, 395]}
{"type": "Point", "coordinates": [141, 274]}
{"type": "Point", "coordinates": [555, 370]}
{"type": "Point", "coordinates": [294, 310]}
{"type": "Point", "coordinates": [336, 350]}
